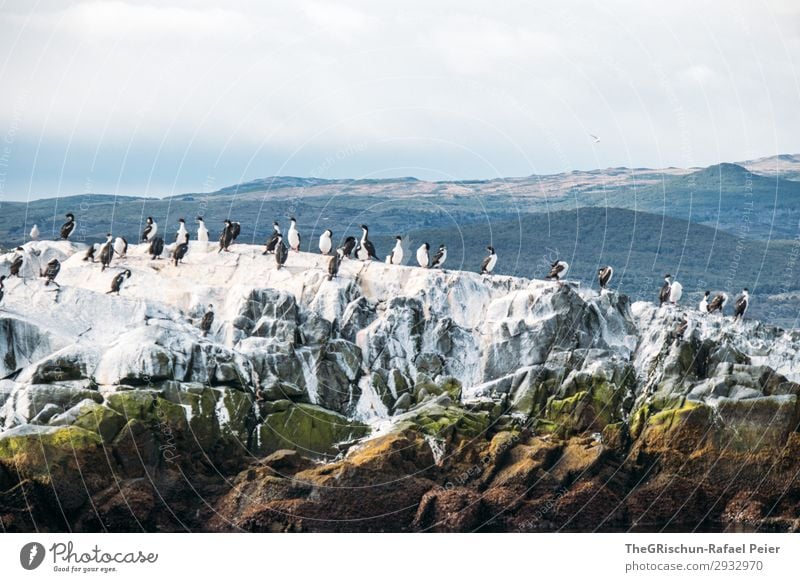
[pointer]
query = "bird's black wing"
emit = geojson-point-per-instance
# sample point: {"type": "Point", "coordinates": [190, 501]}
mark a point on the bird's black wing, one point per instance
{"type": "Point", "coordinates": [273, 240]}
{"type": "Point", "coordinates": [236, 229]}
{"type": "Point", "coordinates": [663, 296]}
{"type": "Point", "coordinates": [437, 257]}
{"type": "Point", "coordinates": [146, 231]}
{"type": "Point", "coordinates": [370, 249]}
{"type": "Point", "coordinates": [66, 229]}
{"type": "Point", "coordinates": [741, 304]}
{"type": "Point", "coordinates": [485, 263]}
{"type": "Point", "coordinates": [208, 319]}
{"type": "Point", "coordinates": [557, 268]}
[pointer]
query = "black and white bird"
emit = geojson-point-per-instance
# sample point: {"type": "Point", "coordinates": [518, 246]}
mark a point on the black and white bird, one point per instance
{"type": "Point", "coordinates": [2, 287]}
{"type": "Point", "coordinates": [423, 255]}
{"type": "Point", "coordinates": [281, 253]}
{"type": "Point", "coordinates": [181, 249]}
{"type": "Point", "coordinates": [675, 292]}
{"type": "Point", "coordinates": [51, 272]}
{"type": "Point", "coordinates": [718, 303]}
{"type": "Point", "coordinates": [68, 227]}
{"type": "Point", "coordinates": [604, 276]}
{"type": "Point", "coordinates": [666, 289]}
{"type": "Point", "coordinates": [17, 262]}
{"type": "Point", "coordinates": [226, 237]}
{"type": "Point", "coordinates": [116, 283]}
{"type": "Point", "coordinates": [34, 234]}
{"type": "Point", "coordinates": [365, 250]}
{"type": "Point", "coordinates": [703, 305]}
{"type": "Point", "coordinates": [487, 266]}
{"type": "Point", "coordinates": [236, 230]}
{"type": "Point", "coordinates": [742, 303]}
{"type": "Point", "coordinates": [182, 232]}
{"type": "Point", "coordinates": [156, 247]}
{"type": "Point", "coordinates": [107, 252]}
{"type": "Point", "coordinates": [121, 246]}
{"type": "Point", "coordinates": [150, 230]}
{"type": "Point", "coordinates": [396, 256]}
{"type": "Point", "coordinates": [202, 231]}
{"type": "Point", "coordinates": [273, 239]}
{"type": "Point", "coordinates": [326, 242]}
{"type": "Point", "coordinates": [437, 262]}
{"type": "Point", "coordinates": [293, 235]}
{"type": "Point", "coordinates": [207, 321]}
{"type": "Point", "coordinates": [90, 252]}
{"type": "Point", "coordinates": [348, 246]}
{"type": "Point", "coordinates": [558, 270]}
{"type": "Point", "coordinates": [333, 264]}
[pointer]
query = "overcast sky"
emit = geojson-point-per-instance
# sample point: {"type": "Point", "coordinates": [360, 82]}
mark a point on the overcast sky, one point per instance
{"type": "Point", "coordinates": [157, 98]}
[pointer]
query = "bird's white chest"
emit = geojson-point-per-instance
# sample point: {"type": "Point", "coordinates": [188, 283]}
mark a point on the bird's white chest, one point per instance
{"type": "Point", "coordinates": [422, 257]}
{"type": "Point", "coordinates": [397, 254]}
{"type": "Point", "coordinates": [325, 243]}
{"type": "Point", "coordinates": [294, 236]}
{"type": "Point", "coordinates": [492, 262]}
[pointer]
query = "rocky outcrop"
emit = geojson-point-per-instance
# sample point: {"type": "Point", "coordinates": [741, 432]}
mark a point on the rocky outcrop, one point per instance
{"type": "Point", "coordinates": [391, 398]}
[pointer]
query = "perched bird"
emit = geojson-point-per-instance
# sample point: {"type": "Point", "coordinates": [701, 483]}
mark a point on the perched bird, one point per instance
{"type": "Point", "coordinates": [325, 242]}
{"type": "Point", "coordinates": [333, 264]}
{"type": "Point", "coordinates": [666, 288]}
{"type": "Point", "coordinates": [202, 231]}
{"type": "Point", "coordinates": [423, 256]}
{"type": "Point", "coordinates": [116, 283]}
{"type": "Point", "coordinates": [17, 262]}
{"type": "Point", "coordinates": [156, 247]}
{"type": "Point", "coordinates": [208, 319]}
{"type": "Point", "coordinates": [604, 276]}
{"type": "Point", "coordinates": [273, 239]}
{"type": "Point", "coordinates": [281, 253]}
{"type": "Point", "coordinates": [51, 272]}
{"type": "Point", "coordinates": [68, 227]}
{"type": "Point", "coordinates": [121, 246]}
{"type": "Point", "coordinates": [718, 303]}
{"type": "Point", "coordinates": [742, 303]}
{"type": "Point", "coordinates": [226, 238]}
{"type": "Point", "coordinates": [90, 252]}
{"type": "Point", "coordinates": [675, 292]}
{"type": "Point", "coordinates": [365, 249]}
{"type": "Point", "coordinates": [703, 305]}
{"type": "Point", "coordinates": [396, 256]}
{"type": "Point", "coordinates": [348, 246]}
{"type": "Point", "coordinates": [439, 258]}
{"type": "Point", "coordinates": [680, 329]}
{"type": "Point", "coordinates": [181, 249]}
{"type": "Point", "coordinates": [2, 287]}
{"type": "Point", "coordinates": [34, 233]}
{"type": "Point", "coordinates": [150, 230]}
{"type": "Point", "coordinates": [182, 232]}
{"type": "Point", "coordinates": [558, 270]}
{"type": "Point", "coordinates": [487, 266]}
{"type": "Point", "coordinates": [294, 235]}
{"type": "Point", "coordinates": [107, 252]}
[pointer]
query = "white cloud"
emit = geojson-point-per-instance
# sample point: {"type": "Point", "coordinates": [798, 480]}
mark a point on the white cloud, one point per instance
{"type": "Point", "coordinates": [518, 83]}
